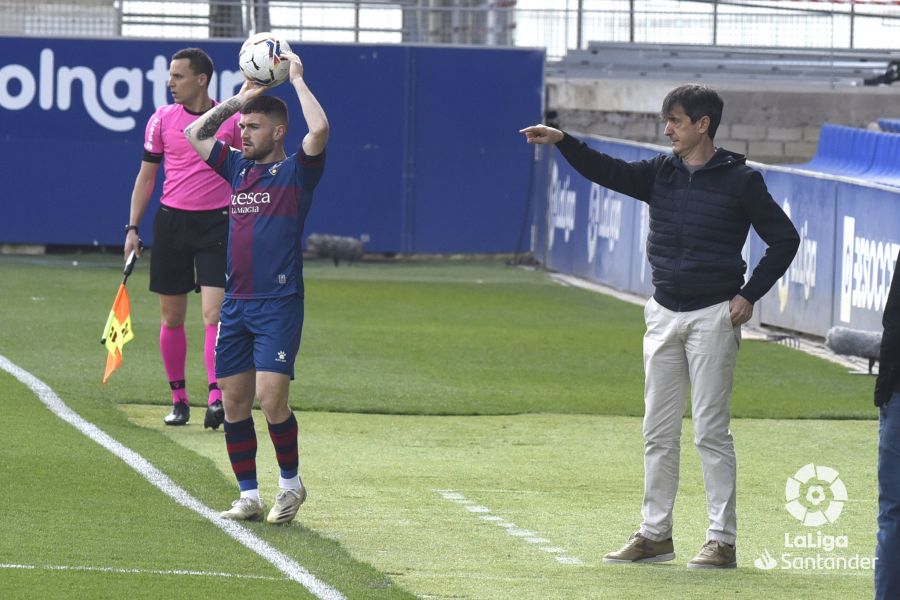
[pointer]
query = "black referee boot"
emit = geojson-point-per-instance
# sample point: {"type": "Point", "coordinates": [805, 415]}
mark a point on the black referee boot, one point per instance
{"type": "Point", "coordinates": [180, 415]}
{"type": "Point", "coordinates": [215, 414]}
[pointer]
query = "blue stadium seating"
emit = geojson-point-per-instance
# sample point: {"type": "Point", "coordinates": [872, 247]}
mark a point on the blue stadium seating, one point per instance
{"type": "Point", "coordinates": [886, 166]}
{"type": "Point", "coordinates": [843, 150]}
{"type": "Point", "coordinates": [889, 125]}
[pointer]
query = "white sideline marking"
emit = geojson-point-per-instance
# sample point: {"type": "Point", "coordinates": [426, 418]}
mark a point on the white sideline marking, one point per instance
{"type": "Point", "coordinates": [119, 571]}
{"type": "Point", "coordinates": [145, 468]}
{"type": "Point", "coordinates": [510, 528]}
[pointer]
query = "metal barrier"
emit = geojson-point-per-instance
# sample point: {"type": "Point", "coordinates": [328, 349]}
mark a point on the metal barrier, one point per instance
{"type": "Point", "coordinates": [724, 63]}
{"type": "Point", "coordinates": [527, 23]}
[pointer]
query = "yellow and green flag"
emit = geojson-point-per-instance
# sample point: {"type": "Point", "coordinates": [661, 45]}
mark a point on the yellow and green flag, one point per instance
{"type": "Point", "coordinates": [117, 332]}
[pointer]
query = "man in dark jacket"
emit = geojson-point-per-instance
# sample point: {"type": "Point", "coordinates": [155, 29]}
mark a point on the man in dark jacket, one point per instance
{"type": "Point", "coordinates": [703, 201]}
{"type": "Point", "coordinates": [887, 398]}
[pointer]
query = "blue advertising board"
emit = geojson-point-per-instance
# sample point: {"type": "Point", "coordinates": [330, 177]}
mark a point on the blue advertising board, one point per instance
{"type": "Point", "coordinates": [802, 298]}
{"type": "Point", "coordinates": [591, 231]}
{"type": "Point", "coordinates": [867, 239]}
{"type": "Point", "coordinates": [404, 166]}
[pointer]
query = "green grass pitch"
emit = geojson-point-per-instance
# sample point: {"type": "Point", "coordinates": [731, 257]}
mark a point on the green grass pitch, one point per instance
{"type": "Point", "coordinates": [450, 412]}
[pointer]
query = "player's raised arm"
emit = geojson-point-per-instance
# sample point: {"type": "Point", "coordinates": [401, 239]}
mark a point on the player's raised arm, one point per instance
{"type": "Point", "coordinates": [202, 132]}
{"type": "Point", "coordinates": [313, 142]}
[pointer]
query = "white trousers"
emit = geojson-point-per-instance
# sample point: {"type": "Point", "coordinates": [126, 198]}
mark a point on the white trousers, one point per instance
{"type": "Point", "coordinates": [697, 350]}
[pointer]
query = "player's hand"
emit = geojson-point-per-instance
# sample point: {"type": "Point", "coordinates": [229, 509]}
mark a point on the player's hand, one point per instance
{"type": "Point", "coordinates": [132, 242]}
{"type": "Point", "coordinates": [251, 89]}
{"type": "Point", "coordinates": [541, 134]}
{"type": "Point", "coordinates": [296, 65]}
{"type": "Point", "coordinates": [741, 310]}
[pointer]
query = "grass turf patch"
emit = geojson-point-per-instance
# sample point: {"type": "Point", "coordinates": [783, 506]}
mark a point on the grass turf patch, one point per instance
{"type": "Point", "coordinates": [380, 485]}
{"type": "Point", "coordinates": [91, 527]}
{"type": "Point", "coordinates": [469, 337]}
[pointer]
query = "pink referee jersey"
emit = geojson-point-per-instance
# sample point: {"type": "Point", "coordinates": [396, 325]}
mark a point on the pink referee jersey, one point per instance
{"type": "Point", "coordinates": [190, 183]}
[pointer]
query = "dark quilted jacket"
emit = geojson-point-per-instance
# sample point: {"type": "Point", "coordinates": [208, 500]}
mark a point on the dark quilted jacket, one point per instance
{"type": "Point", "coordinates": [888, 380]}
{"type": "Point", "coordinates": [698, 223]}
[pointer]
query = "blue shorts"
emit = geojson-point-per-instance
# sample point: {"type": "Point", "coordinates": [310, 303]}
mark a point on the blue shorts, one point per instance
{"type": "Point", "coordinates": [261, 334]}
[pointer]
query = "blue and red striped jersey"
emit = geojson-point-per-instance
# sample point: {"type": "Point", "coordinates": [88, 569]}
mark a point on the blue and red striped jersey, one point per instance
{"type": "Point", "coordinates": [269, 204]}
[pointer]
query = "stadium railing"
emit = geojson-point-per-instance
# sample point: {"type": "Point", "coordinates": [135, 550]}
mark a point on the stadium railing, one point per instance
{"type": "Point", "coordinates": [629, 60]}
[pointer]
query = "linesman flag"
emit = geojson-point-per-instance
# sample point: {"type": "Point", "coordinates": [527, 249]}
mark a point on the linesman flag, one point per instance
{"type": "Point", "coordinates": [118, 331]}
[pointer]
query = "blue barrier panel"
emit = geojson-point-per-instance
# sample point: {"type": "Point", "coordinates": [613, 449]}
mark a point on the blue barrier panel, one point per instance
{"type": "Point", "coordinates": [613, 224]}
{"type": "Point", "coordinates": [560, 217]}
{"type": "Point", "coordinates": [802, 298]}
{"type": "Point", "coordinates": [471, 164]}
{"type": "Point", "coordinates": [81, 106]}
{"type": "Point", "coordinates": [867, 239]}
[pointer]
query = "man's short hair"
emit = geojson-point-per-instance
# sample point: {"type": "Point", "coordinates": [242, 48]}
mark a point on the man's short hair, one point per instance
{"type": "Point", "coordinates": [200, 61]}
{"type": "Point", "coordinates": [698, 101]}
{"type": "Point", "coordinates": [271, 106]}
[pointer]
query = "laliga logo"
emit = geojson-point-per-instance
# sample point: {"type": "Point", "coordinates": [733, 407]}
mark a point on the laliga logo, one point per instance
{"type": "Point", "coordinates": [562, 207]}
{"type": "Point", "coordinates": [815, 495]}
{"type": "Point", "coordinates": [803, 268]}
{"type": "Point", "coordinates": [604, 219]}
{"type": "Point", "coordinates": [642, 236]}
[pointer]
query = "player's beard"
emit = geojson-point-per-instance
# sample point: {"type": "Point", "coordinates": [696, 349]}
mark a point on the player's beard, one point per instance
{"type": "Point", "coordinates": [257, 151]}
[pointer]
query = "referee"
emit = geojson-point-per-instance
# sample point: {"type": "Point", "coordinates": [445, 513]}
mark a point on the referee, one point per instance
{"type": "Point", "coordinates": [190, 231]}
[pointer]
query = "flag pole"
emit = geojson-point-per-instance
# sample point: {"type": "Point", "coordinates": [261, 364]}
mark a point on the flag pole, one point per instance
{"type": "Point", "coordinates": [129, 267]}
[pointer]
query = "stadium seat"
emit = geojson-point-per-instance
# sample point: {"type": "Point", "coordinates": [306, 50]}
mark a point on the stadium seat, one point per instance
{"type": "Point", "coordinates": [889, 125]}
{"type": "Point", "coordinates": [885, 167]}
{"type": "Point", "coordinates": [846, 151]}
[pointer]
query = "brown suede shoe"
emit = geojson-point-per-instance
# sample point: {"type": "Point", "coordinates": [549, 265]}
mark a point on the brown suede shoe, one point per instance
{"type": "Point", "coordinates": [714, 555]}
{"type": "Point", "coordinates": [639, 549]}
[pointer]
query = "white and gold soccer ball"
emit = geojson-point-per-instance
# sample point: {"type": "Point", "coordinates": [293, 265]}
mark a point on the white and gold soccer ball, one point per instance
{"type": "Point", "coordinates": [260, 59]}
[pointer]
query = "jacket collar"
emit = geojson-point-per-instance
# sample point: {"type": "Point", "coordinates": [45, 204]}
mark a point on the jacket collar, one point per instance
{"type": "Point", "coordinates": [721, 158]}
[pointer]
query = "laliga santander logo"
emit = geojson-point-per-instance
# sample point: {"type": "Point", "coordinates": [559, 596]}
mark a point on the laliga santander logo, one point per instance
{"type": "Point", "coordinates": [815, 495]}
{"type": "Point", "coordinates": [561, 210]}
{"type": "Point", "coordinates": [604, 219]}
{"type": "Point", "coordinates": [802, 269]}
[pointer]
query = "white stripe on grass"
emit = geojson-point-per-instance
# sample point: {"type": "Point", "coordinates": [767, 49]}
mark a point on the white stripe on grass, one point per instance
{"type": "Point", "coordinates": [279, 560]}
{"type": "Point", "coordinates": [125, 571]}
{"type": "Point", "coordinates": [510, 528]}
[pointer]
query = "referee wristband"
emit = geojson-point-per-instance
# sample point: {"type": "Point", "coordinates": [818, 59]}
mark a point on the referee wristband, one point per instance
{"type": "Point", "coordinates": [131, 228]}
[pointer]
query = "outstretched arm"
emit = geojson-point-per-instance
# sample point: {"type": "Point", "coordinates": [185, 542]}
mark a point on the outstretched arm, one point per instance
{"type": "Point", "coordinates": [313, 142]}
{"type": "Point", "coordinates": [541, 134]}
{"type": "Point", "coordinates": [202, 132]}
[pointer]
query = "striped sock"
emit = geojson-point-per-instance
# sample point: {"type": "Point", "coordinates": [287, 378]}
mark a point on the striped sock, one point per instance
{"type": "Point", "coordinates": [240, 439]}
{"type": "Point", "coordinates": [284, 438]}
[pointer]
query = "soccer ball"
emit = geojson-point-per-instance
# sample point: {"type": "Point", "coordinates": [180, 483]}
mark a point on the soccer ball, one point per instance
{"type": "Point", "coordinates": [260, 59]}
